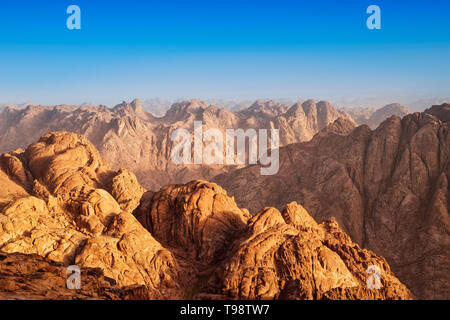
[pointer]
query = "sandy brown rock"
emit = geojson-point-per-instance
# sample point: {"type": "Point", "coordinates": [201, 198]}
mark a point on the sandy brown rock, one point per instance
{"type": "Point", "coordinates": [442, 112]}
{"type": "Point", "coordinates": [63, 161]}
{"type": "Point", "coordinates": [32, 277]}
{"type": "Point", "coordinates": [185, 241]}
{"type": "Point", "coordinates": [198, 217]}
{"type": "Point", "coordinates": [127, 190]}
{"type": "Point", "coordinates": [129, 137]}
{"type": "Point", "coordinates": [77, 221]}
{"type": "Point", "coordinates": [374, 117]}
{"type": "Point", "coordinates": [387, 188]}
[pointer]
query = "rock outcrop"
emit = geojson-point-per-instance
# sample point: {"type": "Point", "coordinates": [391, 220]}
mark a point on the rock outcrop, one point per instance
{"type": "Point", "coordinates": [198, 217]}
{"type": "Point", "coordinates": [62, 211]}
{"type": "Point", "coordinates": [61, 205]}
{"type": "Point", "coordinates": [266, 256]}
{"type": "Point", "coordinates": [290, 256]}
{"type": "Point", "coordinates": [387, 188]}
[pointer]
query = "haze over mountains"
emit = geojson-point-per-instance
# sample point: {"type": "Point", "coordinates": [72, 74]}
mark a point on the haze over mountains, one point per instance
{"type": "Point", "coordinates": [374, 117]}
{"type": "Point", "coordinates": [413, 102]}
{"type": "Point", "coordinates": [159, 106]}
{"type": "Point", "coordinates": [129, 137]}
{"type": "Point", "coordinates": [387, 187]}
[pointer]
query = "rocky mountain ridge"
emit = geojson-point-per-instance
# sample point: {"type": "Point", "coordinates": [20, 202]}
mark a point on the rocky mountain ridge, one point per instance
{"type": "Point", "coordinates": [62, 205]}
{"type": "Point", "coordinates": [388, 189]}
{"type": "Point", "coordinates": [127, 136]}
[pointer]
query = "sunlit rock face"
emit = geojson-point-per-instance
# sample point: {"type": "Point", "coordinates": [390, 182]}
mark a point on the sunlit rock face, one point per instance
{"type": "Point", "coordinates": [388, 189]}
{"type": "Point", "coordinates": [62, 205]}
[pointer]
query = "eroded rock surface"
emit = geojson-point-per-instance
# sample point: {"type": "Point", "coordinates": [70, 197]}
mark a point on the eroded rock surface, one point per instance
{"type": "Point", "coordinates": [65, 213]}
{"type": "Point", "coordinates": [61, 205]}
{"type": "Point", "coordinates": [387, 188]}
{"type": "Point", "coordinates": [270, 255]}
{"type": "Point", "coordinates": [129, 137]}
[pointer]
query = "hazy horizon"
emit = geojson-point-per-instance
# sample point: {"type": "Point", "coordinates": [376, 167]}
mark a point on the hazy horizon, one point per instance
{"type": "Point", "coordinates": [228, 50]}
{"type": "Point", "coordinates": [415, 103]}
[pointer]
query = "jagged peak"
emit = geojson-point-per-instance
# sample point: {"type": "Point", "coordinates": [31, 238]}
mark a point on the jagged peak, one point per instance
{"type": "Point", "coordinates": [341, 126]}
{"type": "Point", "coordinates": [188, 106]}
{"type": "Point", "coordinates": [134, 108]}
{"type": "Point", "coordinates": [179, 235]}
{"type": "Point", "coordinates": [295, 109]}
{"type": "Point", "coordinates": [442, 112]}
{"type": "Point", "coordinates": [136, 104]}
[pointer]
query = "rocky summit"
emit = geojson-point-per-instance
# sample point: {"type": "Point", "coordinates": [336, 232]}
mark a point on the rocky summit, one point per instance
{"type": "Point", "coordinates": [373, 117]}
{"type": "Point", "coordinates": [388, 188]}
{"type": "Point", "coordinates": [62, 205]}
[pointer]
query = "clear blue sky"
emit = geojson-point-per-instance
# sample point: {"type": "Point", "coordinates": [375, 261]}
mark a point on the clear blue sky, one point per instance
{"type": "Point", "coordinates": [233, 49]}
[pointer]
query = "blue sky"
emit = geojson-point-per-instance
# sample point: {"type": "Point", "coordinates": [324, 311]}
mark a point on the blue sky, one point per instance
{"type": "Point", "coordinates": [221, 49]}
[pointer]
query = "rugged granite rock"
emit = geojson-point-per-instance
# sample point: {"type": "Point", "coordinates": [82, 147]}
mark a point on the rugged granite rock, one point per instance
{"type": "Point", "coordinates": [129, 137]}
{"type": "Point", "coordinates": [198, 217]}
{"type": "Point", "coordinates": [388, 188]}
{"type": "Point", "coordinates": [61, 205]}
{"type": "Point", "coordinates": [266, 256]}
{"type": "Point", "coordinates": [442, 112]}
{"type": "Point", "coordinates": [290, 256]}
{"type": "Point", "coordinates": [62, 211]}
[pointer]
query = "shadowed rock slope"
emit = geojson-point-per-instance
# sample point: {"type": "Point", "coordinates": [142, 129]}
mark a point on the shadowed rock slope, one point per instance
{"type": "Point", "coordinates": [129, 137]}
{"type": "Point", "coordinates": [33, 277]}
{"type": "Point", "coordinates": [388, 189]}
{"type": "Point", "coordinates": [60, 205]}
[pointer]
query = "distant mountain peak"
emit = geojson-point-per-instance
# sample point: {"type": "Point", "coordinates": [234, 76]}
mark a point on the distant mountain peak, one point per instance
{"type": "Point", "coordinates": [374, 117]}
{"type": "Point", "coordinates": [136, 104]}
{"type": "Point", "coordinates": [342, 126]}
{"type": "Point", "coordinates": [132, 109]}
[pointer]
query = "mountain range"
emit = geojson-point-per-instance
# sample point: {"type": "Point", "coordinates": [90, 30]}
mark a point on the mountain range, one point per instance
{"type": "Point", "coordinates": [388, 188]}
{"type": "Point", "coordinates": [62, 205]}
{"type": "Point", "coordinates": [95, 186]}
{"type": "Point", "coordinates": [129, 137]}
